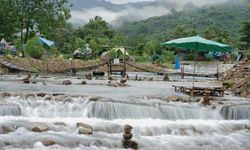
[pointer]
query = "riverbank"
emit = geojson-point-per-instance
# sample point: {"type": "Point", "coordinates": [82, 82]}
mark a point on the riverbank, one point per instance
{"type": "Point", "coordinates": [59, 65]}
{"type": "Point", "coordinates": [237, 79]}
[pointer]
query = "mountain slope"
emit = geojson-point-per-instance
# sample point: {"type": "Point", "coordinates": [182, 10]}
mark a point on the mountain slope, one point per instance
{"type": "Point", "coordinates": [226, 17]}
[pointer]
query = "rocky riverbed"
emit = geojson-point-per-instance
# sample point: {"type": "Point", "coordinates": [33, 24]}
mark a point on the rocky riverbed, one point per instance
{"type": "Point", "coordinates": [94, 115]}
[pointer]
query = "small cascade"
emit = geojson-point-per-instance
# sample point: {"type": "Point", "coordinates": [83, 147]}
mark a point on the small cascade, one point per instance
{"type": "Point", "coordinates": [236, 112]}
{"type": "Point", "coordinates": [9, 110]}
{"type": "Point", "coordinates": [113, 109]}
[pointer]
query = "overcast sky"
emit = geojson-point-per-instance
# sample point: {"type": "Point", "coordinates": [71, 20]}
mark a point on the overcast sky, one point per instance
{"type": "Point", "coordinates": [126, 1]}
{"type": "Point", "coordinates": [116, 15]}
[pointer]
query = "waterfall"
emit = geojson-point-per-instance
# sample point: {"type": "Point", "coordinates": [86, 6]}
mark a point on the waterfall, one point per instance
{"type": "Point", "coordinates": [9, 110]}
{"type": "Point", "coordinates": [236, 112]}
{"type": "Point", "coordinates": [113, 109]}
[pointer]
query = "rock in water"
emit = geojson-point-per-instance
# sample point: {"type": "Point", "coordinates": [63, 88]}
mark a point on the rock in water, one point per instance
{"type": "Point", "coordinates": [5, 94]}
{"type": "Point", "coordinates": [128, 129]}
{"type": "Point", "coordinates": [83, 130]}
{"type": "Point", "coordinates": [48, 142]}
{"type": "Point", "coordinates": [130, 144]}
{"type": "Point", "coordinates": [172, 98]}
{"type": "Point", "coordinates": [84, 125]}
{"type": "Point", "coordinates": [127, 136]}
{"type": "Point", "coordinates": [205, 101]}
{"type": "Point", "coordinates": [39, 127]}
{"type": "Point", "coordinates": [66, 82]}
{"type": "Point", "coordinates": [165, 78]}
{"type": "Point", "coordinates": [83, 82]}
{"type": "Point", "coordinates": [7, 129]}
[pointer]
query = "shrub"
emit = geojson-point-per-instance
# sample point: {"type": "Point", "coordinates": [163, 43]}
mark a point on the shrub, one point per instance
{"type": "Point", "coordinates": [34, 48]}
{"type": "Point", "coordinates": [248, 55]}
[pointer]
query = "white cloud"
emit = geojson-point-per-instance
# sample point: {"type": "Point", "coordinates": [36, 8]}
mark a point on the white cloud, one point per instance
{"type": "Point", "coordinates": [131, 12]}
{"type": "Point", "coordinates": [126, 1]}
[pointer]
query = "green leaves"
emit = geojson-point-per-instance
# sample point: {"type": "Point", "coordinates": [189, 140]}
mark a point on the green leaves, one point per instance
{"type": "Point", "coordinates": [245, 34]}
{"type": "Point", "coordinates": [34, 48]}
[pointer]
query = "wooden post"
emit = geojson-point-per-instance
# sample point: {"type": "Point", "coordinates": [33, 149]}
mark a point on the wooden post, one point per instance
{"type": "Point", "coordinates": [217, 70]}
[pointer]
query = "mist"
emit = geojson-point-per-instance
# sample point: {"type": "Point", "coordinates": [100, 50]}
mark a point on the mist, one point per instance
{"type": "Point", "coordinates": [122, 11]}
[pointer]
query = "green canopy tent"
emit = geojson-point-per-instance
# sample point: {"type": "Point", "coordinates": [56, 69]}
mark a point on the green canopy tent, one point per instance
{"type": "Point", "coordinates": [197, 43]}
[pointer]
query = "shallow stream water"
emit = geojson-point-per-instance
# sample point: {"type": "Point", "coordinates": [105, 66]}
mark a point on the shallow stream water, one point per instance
{"type": "Point", "coordinates": [158, 124]}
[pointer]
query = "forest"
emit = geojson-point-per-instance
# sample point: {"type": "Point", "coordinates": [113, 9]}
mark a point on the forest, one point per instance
{"type": "Point", "coordinates": [22, 21]}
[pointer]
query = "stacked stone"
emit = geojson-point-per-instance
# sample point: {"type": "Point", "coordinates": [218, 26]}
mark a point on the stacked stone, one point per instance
{"type": "Point", "coordinates": [127, 136]}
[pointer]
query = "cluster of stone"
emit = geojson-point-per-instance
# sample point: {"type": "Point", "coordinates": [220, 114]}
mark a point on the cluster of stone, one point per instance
{"type": "Point", "coordinates": [237, 79]}
{"type": "Point", "coordinates": [127, 136]}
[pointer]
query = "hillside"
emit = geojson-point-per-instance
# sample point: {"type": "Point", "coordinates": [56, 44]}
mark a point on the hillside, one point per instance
{"type": "Point", "coordinates": [225, 17]}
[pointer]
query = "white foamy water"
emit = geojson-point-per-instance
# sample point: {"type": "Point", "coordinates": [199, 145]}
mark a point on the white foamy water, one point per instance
{"type": "Point", "coordinates": [157, 124]}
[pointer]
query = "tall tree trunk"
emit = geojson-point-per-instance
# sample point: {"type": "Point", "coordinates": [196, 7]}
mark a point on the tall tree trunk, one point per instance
{"type": "Point", "coordinates": [27, 31]}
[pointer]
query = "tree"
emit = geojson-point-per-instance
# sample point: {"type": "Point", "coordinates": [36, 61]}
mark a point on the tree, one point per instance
{"type": "Point", "coordinates": [34, 48]}
{"type": "Point", "coordinates": [30, 16]}
{"type": "Point", "coordinates": [97, 33]}
{"type": "Point", "coordinates": [245, 34]}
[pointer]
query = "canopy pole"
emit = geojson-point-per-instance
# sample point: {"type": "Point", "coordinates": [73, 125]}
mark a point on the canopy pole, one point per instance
{"type": "Point", "coordinates": [196, 47]}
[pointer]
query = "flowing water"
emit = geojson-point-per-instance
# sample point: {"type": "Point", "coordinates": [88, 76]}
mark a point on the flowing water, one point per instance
{"type": "Point", "coordinates": [158, 124]}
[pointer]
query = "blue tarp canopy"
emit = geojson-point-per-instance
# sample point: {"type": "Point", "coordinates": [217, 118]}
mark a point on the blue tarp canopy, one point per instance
{"type": "Point", "coordinates": [46, 41]}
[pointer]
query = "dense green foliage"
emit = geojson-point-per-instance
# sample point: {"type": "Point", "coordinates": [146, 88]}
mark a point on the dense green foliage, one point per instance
{"type": "Point", "coordinates": [245, 32]}
{"type": "Point", "coordinates": [30, 16]}
{"type": "Point", "coordinates": [21, 20]}
{"type": "Point", "coordinates": [226, 18]}
{"type": "Point", "coordinates": [34, 48]}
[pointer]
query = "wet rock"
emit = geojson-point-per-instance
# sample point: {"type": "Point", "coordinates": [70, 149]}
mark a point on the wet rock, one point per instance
{"type": "Point", "coordinates": [48, 142]}
{"type": "Point", "coordinates": [127, 136]}
{"type": "Point", "coordinates": [165, 78]}
{"type": "Point", "coordinates": [172, 98]}
{"type": "Point", "coordinates": [84, 125]}
{"type": "Point", "coordinates": [110, 78]}
{"type": "Point", "coordinates": [66, 82]}
{"type": "Point", "coordinates": [113, 84]}
{"type": "Point", "coordinates": [39, 127]}
{"type": "Point", "coordinates": [129, 144]}
{"type": "Point", "coordinates": [30, 95]}
{"type": "Point", "coordinates": [47, 97]}
{"type": "Point", "coordinates": [40, 94]}
{"type": "Point", "coordinates": [151, 79]}
{"type": "Point", "coordinates": [221, 103]}
{"type": "Point", "coordinates": [59, 97]}
{"type": "Point", "coordinates": [7, 129]}
{"type": "Point", "coordinates": [205, 101]}
{"type": "Point", "coordinates": [68, 99]}
{"type": "Point", "coordinates": [128, 129]}
{"type": "Point", "coordinates": [59, 124]}
{"type": "Point", "coordinates": [123, 81]}
{"type": "Point", "coordinates": [5, 94]}
{"type": "Point", "coordinates": [83, 130]}
{"type": "Point", "coordinates": [95, 98]}
{"type": "Point", "coordinates": [84, 82]}
{"type": "Point", "coordinates": [88, 76]}
{"type": "Point", "coordinates": [26, 81]}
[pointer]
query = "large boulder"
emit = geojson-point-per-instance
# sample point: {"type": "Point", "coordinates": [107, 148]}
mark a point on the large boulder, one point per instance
{"type": "Point", "coordinates": [39, 127]}
{"type": "Point", "coordinates": [48, 142]}
{"type": "Point", "coordinates": [66, 82]}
